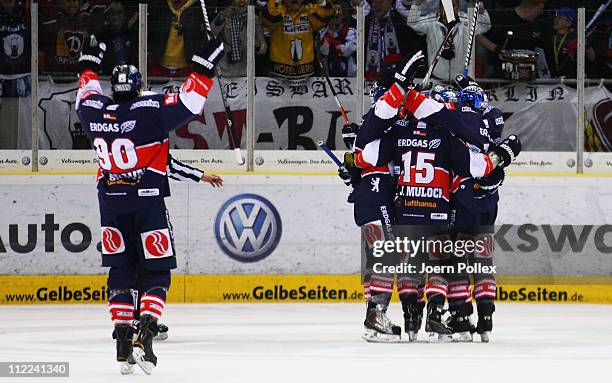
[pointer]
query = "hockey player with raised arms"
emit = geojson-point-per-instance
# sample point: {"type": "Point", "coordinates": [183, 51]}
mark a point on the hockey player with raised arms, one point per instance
{"type": "Point", "coordinates": [129, 132]}
{"type": "Point", "coordinates": [424, 157]}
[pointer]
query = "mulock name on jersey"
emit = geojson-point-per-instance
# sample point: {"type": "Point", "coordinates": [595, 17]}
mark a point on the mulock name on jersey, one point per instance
{"type": "Point", "coordinates": [420, 191]}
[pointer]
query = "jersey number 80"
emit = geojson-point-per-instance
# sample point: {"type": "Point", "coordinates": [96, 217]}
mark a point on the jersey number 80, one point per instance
{"type": "Point", "coordinates": [122, 154]}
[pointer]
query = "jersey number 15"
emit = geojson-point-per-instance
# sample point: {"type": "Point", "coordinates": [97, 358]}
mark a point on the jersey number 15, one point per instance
{"type": "Point", "coordinates": [424, 170]}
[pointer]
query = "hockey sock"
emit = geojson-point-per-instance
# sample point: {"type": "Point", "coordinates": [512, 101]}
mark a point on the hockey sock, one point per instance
{"type": "Point", "coordinates": [458, 292]}
{"type": "Point", "coordinates": [407, 289]}
{"type": "Point", "coordinates": [381, 283]}
{"type": "Point", "coordinates": [366, 291]}
{"type": "Point", "coordinates": [121, 307]}
{"type": "Point", "coordinates": [485, 290]}
{"type": "Point", "coordinates": [436, 289]}
{"type": "Point", "coordinates": [153, 302]}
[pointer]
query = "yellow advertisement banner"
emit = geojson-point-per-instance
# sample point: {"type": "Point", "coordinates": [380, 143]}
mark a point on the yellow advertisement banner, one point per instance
{"type": "Point", "coordinates": [284, 288]}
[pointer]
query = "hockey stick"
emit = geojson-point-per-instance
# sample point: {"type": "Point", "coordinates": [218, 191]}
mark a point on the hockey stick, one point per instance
{"type": "Point", "coordinates": [449, 34]}
{"type": "Point", "coordinates": [228, 117]}
{"type": "Point", "coordinates": [449, 10]}
{"type": "Point", "coordinates": [331, 155]}
{"type": "Point", "coordinates": [572, 46]}
{"type": "Point", "coordinates": [331, 87]}
{"type": "Point", "coordinates": [600, 10]}
{"type": "Point", "coordinates": [468, 51]}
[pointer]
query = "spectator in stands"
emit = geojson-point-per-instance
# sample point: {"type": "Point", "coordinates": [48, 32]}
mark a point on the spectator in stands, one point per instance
{"type": "Point", "coordinates": [388, 39]}
{"type": "Point", "coordinates": [529, 27]}
{"type": "Point", "coordinates": [435, 27]}
{"type": "Point", "coordinates": [62, 39]}
{"type": "Point", "coordinates": [15, 80]}
{"type": "Point", "coordinates": [175, 31]}
{"type": "Point", "coordinates": [338, 44]}
{"type": "Point", "coordinates": [366, 11]}
{"type": "Point", "coordinates": [601, 40]}
{"type": "Point", "coordinates": [120, 36]}
{"type": "Point", "coordinates": [230, 26]}
{"type": "Point", "coordinates": [291, 24]}
{"type": "Point", "coordinates": [562, 63]}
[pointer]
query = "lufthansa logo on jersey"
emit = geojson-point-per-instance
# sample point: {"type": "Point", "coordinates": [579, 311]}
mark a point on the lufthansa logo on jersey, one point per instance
{"type": "Point", "coordinates": [248, 228]}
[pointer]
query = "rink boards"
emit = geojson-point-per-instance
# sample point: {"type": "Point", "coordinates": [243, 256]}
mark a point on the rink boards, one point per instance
{"type": "Point", "coordinates": [79, 289]}
{"type": "Point", "coordinates": [49, 240]}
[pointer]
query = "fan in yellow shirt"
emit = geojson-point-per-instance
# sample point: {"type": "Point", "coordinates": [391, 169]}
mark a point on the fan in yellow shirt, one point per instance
{"type": "Point", "coordinates": [291, 24]}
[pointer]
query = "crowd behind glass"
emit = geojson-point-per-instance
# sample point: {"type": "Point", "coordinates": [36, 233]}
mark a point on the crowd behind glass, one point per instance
{"type": "Point", "coordinates": [295, 39]}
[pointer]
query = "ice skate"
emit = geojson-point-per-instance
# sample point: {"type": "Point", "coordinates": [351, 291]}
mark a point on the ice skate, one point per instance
{"type": "Point", "coordinates": [436, 330]}
{"type": "Point", "coordinates": [124, 335]}
{"type": "Point", "coordinates": [460, 322]}
{"type": "Point", "coordinates": [143, 345]}
{"type": "Point", "coordinates": [413, 317]}
{"type": "Point", "coordinates": [162, 334]}
{"type": "Point", "coordinates": [485, 321]}
{"type": "Point", "coordinates": [378, 327]}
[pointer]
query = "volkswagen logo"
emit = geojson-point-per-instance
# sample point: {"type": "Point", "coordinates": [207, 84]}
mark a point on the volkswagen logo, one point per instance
{"type": "Point", "coordinates": [248, 228]}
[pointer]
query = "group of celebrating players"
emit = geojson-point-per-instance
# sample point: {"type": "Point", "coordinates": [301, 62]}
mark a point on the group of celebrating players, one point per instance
{"type": "Point", "coordinates": [428, 167]}
{"type": "Point", "coordinates": [417, 161]}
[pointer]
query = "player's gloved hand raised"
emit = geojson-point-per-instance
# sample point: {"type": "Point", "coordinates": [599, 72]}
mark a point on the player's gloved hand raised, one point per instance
{"type": "Point", "coordinates": [448, 53]}
{"type": "Point", "coordinates": [465, 81]}
{"type": "Point", "coordinates": [349, 173]}
{"type": "Point", "coordinates": [491, 181]}
{"type": "Point", "coordinates": [92, 55]}
{"type": "Point", "coordinates": [345, 175]}
{"type": "Point", "coordinates": [508, 150]}
{"type": "Point", "coordinates": [205, 59]}
{"type": "Point", "coordinates": [405, 72]}
{"type": "Point", "coordinates": [349, 133]}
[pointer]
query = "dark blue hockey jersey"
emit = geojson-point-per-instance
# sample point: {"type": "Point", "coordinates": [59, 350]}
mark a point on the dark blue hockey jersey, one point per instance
{"type": "Point", "coordinates": [480, 131]}
{"type": "Point", "coordinates": [131, 139]}
{"type": "Point", "coordinates": [425, 156]}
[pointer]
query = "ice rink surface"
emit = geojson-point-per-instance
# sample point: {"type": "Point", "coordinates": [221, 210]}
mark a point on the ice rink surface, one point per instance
{"type": "Point", "coordinates": [287, 343]}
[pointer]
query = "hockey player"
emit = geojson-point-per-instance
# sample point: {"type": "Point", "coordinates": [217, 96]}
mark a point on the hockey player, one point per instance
{"type": "Point", "coordinates": [370, 172]}
{"type": "Point", "coordinates": [479, 125]}
{"type": "Point", "coordinates": [424, 157]}
{"type": "Point", "coordinates": [373, 190]}
{"type": "Point", "coordinates": [474, 205]}
{"type": "Point", "coordinates": [130, 135]}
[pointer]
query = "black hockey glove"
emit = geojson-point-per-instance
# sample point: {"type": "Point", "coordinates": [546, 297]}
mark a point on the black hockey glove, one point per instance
{"type": "Point", "coordinates": [507, 151]}
{"type": "Point", "coordinates": [404, 75]}
{"type": "Point", "coordinates": [350, 173]}
{"type": "Point", "coordinates": [491, 181]}
{"type": "Point", "coordinates": [349, 133]}
{"type": "Point", "coordinates": [448, 53]}
{"type": "Point", "coordinates": [465, 81]}
{"type": "Point", "coordinates": [345, 175]}
{"type": "Point", "coordinates": [91, 55]}
{"type": "Point", "coordinates": [424, 88]}
{"type": "Point", "coordinates": [205, 60]}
